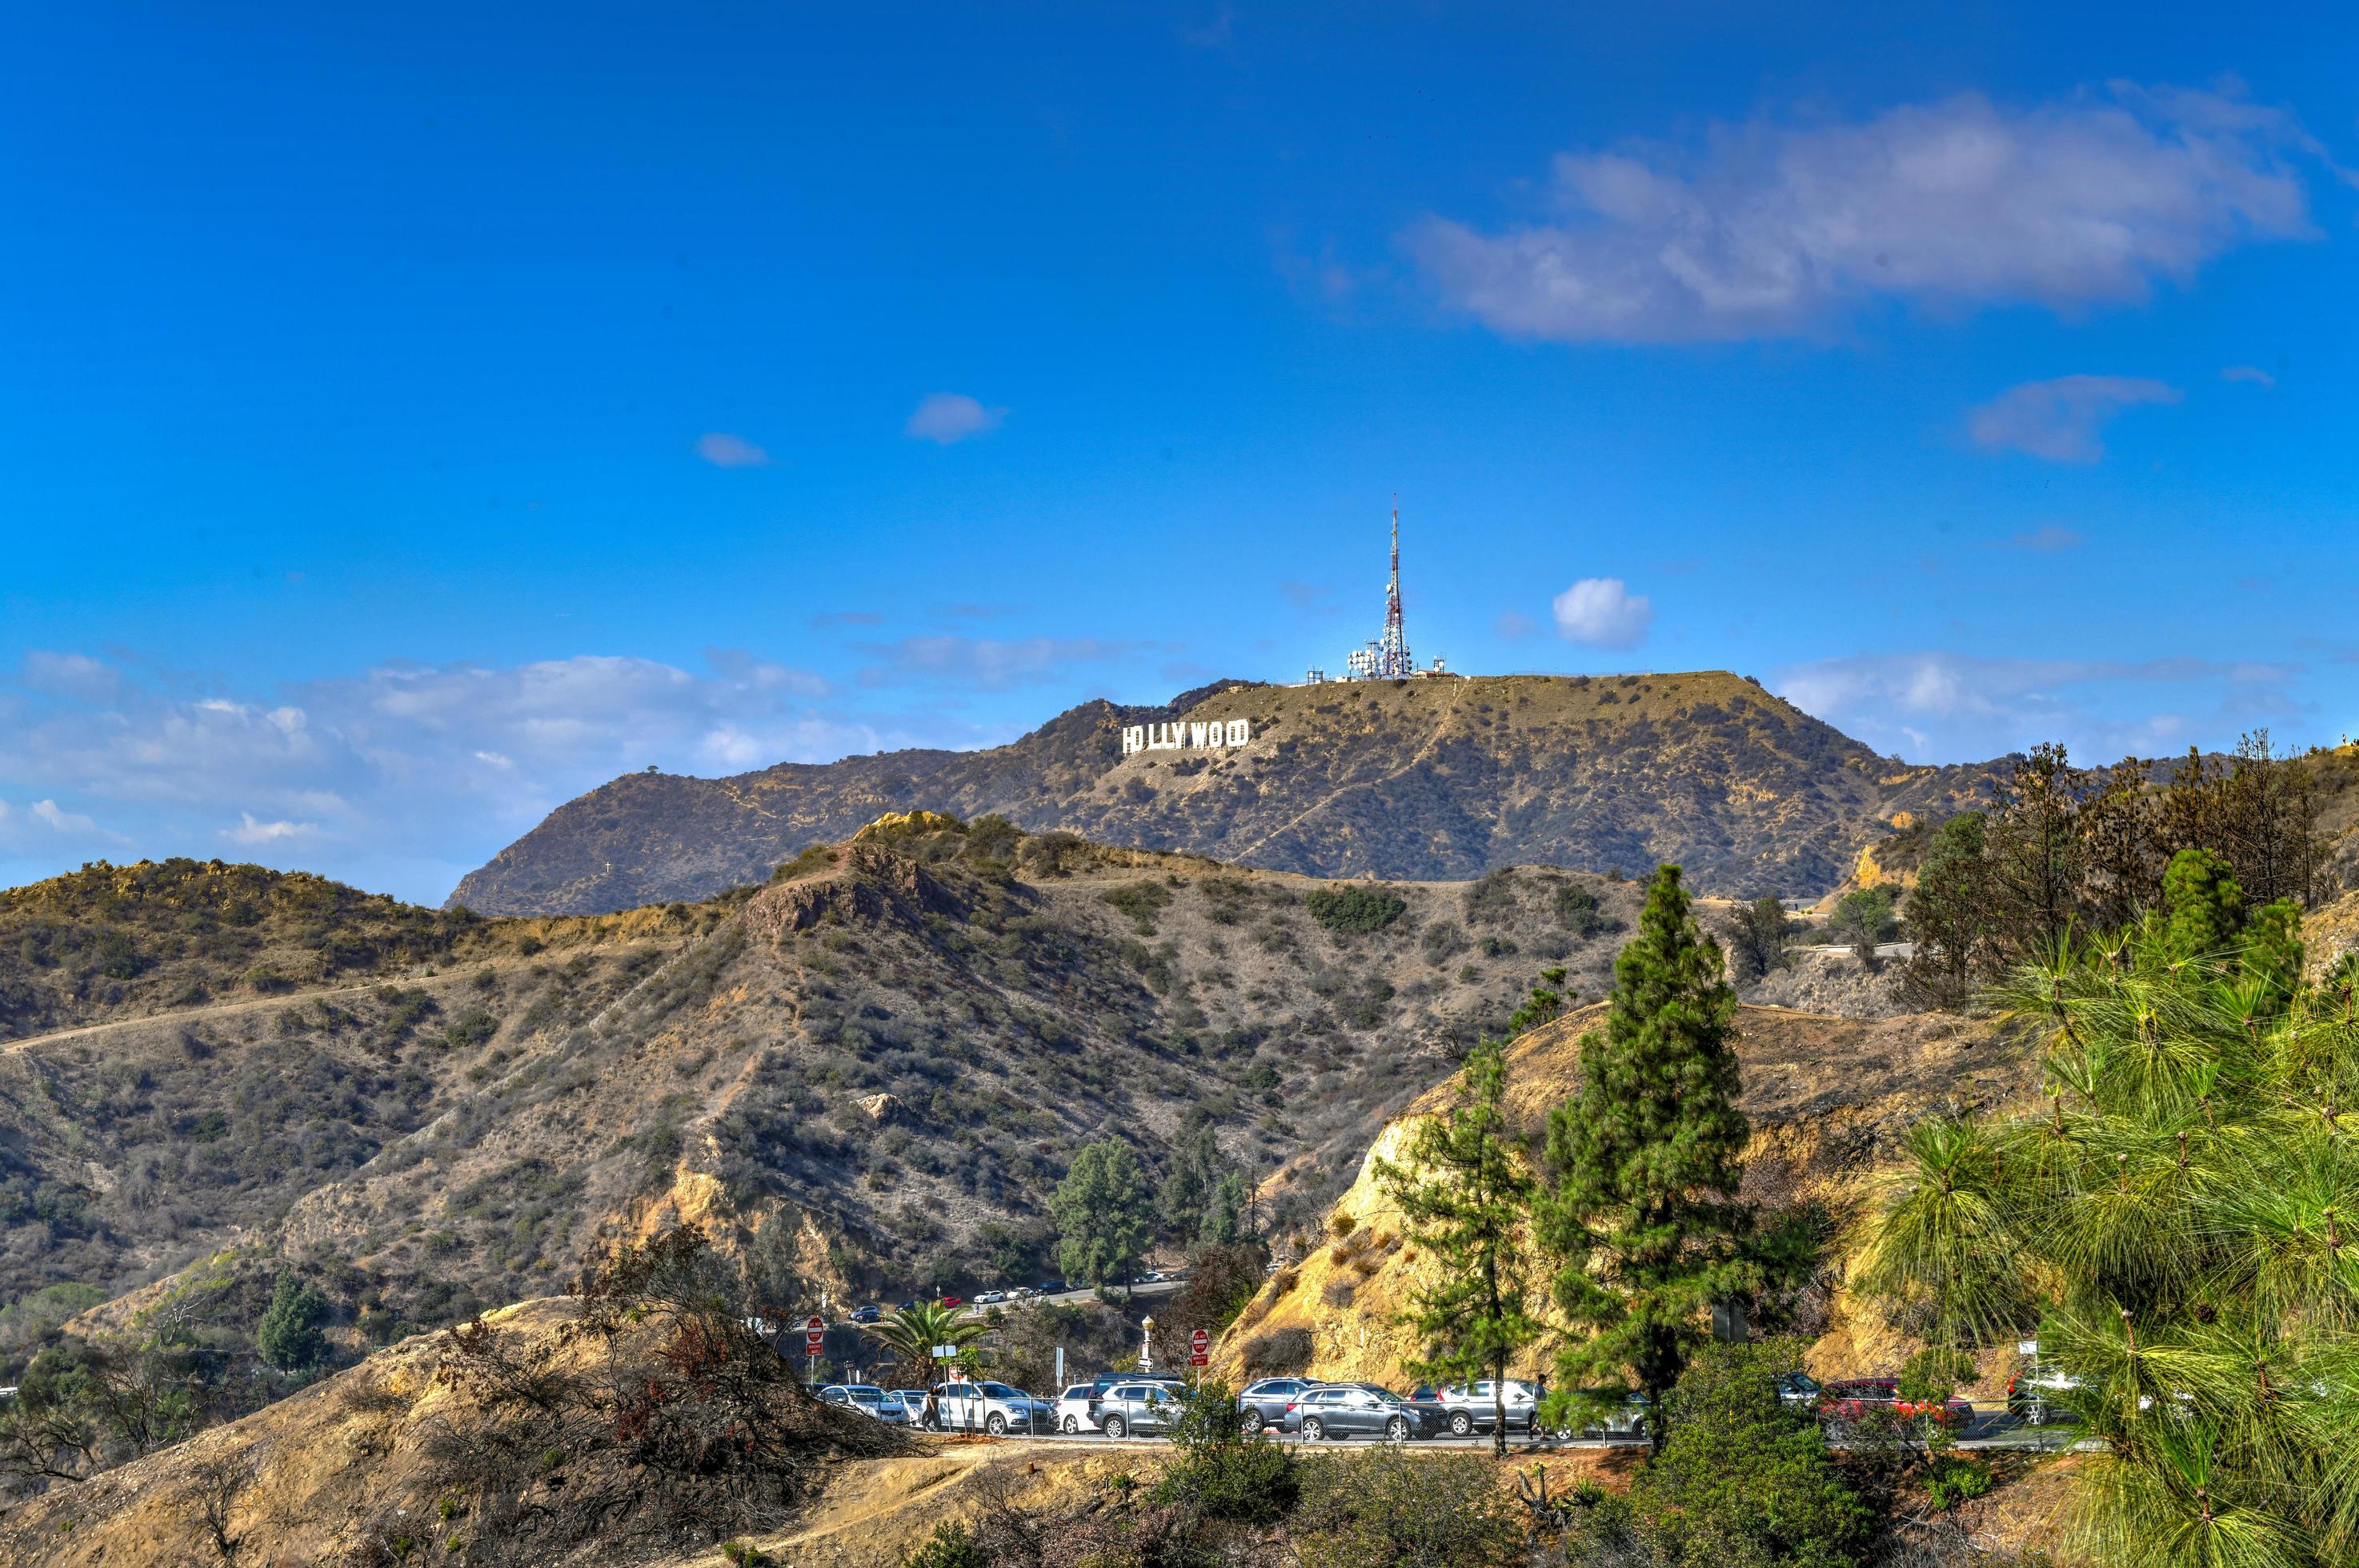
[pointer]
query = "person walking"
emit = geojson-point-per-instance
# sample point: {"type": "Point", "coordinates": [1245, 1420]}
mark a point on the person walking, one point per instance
{"type": "Point", "coordinates": [933, 1409]}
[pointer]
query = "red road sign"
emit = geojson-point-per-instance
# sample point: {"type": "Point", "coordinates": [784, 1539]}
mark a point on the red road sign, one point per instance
{"type": "Point", "coordinates": [1199, 1348]}
{"type": "Point", "coordinates": [814, 1332]}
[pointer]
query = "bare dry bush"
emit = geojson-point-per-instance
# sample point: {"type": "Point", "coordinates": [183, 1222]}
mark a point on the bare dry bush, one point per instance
{"type": "Point", "coordinates": [656, 1419]}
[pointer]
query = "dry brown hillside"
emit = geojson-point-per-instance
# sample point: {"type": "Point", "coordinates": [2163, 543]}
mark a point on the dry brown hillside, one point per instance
{"type": "Point", "coordinates": [888, 1053]}
{"type": "Point", "coordinates": [1827, 1098]}
{"type": "Point", "coordinates": [1427, 779]}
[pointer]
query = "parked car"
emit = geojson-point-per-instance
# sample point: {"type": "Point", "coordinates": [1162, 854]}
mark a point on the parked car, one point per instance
{"type": "Point", "coordinates": [868, 1400]}
{"type": "Point", "coordinates": [1857, 1399]}
{"type": "Point", "coordinates": [1264, 1401]}
{"type": "Point", "coordinates": [995, 1408]}
{"type": "Point", "coordinates": [871, 1313]}
{"type": "Point", "coordinates": [1798, 1390]}
{"type": "Point", "coordinates": [1359, 1410]}
{"type": "Point", "coordinates": [951, 1302]}
{"type": "Point", "coordinates": [2038, 1395]}
{"type": "Point", "coordinates": [1473, 1408]}
{"type": "Point", "coordinates": [1050, 1288]}
{"type": "Point", "coordinates": [1627, 1419]}
{"type": "Point", "coordinates": [912, 1400]}
{"type": "Point", "coordinates": [1073, 1413]}
{"type": "Point", "coordinates": [1137, 1406]}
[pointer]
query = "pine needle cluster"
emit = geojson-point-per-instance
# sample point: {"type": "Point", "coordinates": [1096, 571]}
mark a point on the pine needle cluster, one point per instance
{"type": "Point", "coordinates": [2181, 1225]}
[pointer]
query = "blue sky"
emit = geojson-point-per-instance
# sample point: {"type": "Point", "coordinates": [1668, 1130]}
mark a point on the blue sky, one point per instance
{"type": "Point", "coordinates": [410, 416]}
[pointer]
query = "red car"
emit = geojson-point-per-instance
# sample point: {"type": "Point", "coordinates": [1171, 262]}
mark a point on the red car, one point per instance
{"type": "Point", "coordinates": [1856, 1398]}
{"type": "Point", "coordinates": [951, 1302]}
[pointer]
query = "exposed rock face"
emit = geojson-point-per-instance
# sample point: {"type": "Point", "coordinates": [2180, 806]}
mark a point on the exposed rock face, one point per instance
{"type": "Point", "coordinates": [1429, 779]}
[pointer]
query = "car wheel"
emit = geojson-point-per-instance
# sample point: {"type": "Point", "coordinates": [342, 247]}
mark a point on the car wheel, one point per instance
{"type": "Point", "coordinates": [1114, 1426]}
{"type": "Point", "coordinates": [995, 1424]}
{"type": "Point", "coordinates": [1313, 1430]}
{"type": "Point", "coordinates": [1397, 1429]}
{"type": "Point", "coordinates": [1460, 1424]}
{"type": "Point", "coordinates": [1251, 1423]}
{"type": "Point", "coordinates": [1072, 1425]}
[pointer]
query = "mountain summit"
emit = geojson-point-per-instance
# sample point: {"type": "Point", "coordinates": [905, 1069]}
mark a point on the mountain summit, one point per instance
{"type": "Point", "coordinates": [1432, 778]}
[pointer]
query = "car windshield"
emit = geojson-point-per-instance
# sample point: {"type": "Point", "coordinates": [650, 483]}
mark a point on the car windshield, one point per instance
{"type": "Point", "coordinates": [1002, 1391]}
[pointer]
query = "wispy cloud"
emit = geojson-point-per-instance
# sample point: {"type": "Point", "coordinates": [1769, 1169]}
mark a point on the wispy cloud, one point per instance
{"type": "Point", "coordinates": [990, 664]}
{"type": "Point", "coordinates": [2059, 420]}
{"type": "Point", "coordinates": [1309, 598]}
{"type": "Point", "coordinates": [1513, 625]}
{"type": "Point", "coordinates": [401, 775]}
{"type": "Point", "coordinates": [943, 417]}
{"type": "Point", "coordinates": [723, 451]}
{"type": "Point", "coordinates": [2049, 541]}
{"type": "Point", "coordinates": [1602, 612]}
{"type": "Point", "coordinates": [1944, 706]}
{"type": "Point", "coordinates": [832, 618]}
{"type": "Point", "coordinates": [1774, 229]}
{"type": "Point", "coordinates": [2252, 375]}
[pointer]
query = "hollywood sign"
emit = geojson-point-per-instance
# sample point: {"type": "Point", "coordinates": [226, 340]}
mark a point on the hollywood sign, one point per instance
{"type": "Point", "coordinates": [1213, 735]}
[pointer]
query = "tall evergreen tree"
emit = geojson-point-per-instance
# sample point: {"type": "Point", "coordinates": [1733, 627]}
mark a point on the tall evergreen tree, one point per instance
{"type": "Point", "coordinates": [1101, 1214]}
{"type": "Point", "coordinates": [1948, 914]}
{"type": "Point", "coordinates": [1645, 1164]}
{"type": "Point", "coordinates": [1466, 1192]}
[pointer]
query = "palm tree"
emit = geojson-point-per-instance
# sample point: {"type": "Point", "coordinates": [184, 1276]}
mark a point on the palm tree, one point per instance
{"type": "Point", "coordinates": [2181, 1223]}
{"type": "Point", "coordinates": [914, 1332]}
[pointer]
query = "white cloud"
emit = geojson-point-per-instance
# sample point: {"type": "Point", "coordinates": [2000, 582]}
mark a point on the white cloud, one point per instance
{"type": "Point", "coordinates": [2059, 420]}
{"type": "Point", "coordinates": [404, 774]}
{"type": "Point", "coordinates": [723, 451]}
{"type": "Point", "coordinates": [2253, 374]}
{"type": "Point", "coordinates": [1601, 613]}
{"type": "Point", "coordinates": [943, 417]}
{"type": "Point", "coordinates": [250, 832]}
{"type": "Point", "coordinates": [1943, 706]}
{"type": "Point", "coordinates": [1773, 229]}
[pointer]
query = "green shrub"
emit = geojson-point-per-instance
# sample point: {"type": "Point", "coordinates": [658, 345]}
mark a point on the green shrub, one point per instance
{"type": "Point", "coordinates": [1353, 909]}
{"type": "Point", "coordinates": [1139, 900]}
{"type": "Point", "coordinates": [1224, 1471]}
{"type": "Point", "coordinates": [1391, 1509]}
{"type": "Point", "coordinates": [1955, 1479]}
{"type": "Point", "coordinates": [948, 1547]}
{"type": "Point", "coordinates": [472, 1028]}
{"type": "Point", "coordinates": [1743, 1481]}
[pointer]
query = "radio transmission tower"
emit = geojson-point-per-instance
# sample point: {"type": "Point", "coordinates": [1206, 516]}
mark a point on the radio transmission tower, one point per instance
{"type": "Point", "coordinates": [1389, 659]}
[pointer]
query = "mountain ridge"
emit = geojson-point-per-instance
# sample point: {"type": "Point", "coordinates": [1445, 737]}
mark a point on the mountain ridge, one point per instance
{"type": "Point", "coordinates": [1429, 779]}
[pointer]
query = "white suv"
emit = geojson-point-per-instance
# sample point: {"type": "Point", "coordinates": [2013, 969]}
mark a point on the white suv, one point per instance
{"type": "Point", "coordinates": [995, 1408]}
{"type": "Point", "coordinates": [1474, 1409]}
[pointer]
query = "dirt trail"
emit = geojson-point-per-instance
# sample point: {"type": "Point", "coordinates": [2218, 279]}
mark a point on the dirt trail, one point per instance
{"type": "Point", "coordinates": [211, 1010]}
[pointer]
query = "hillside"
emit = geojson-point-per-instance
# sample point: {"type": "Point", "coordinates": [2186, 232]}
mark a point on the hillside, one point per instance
{"type": "Point", "coordinates": [1827, 1098]}
{"type": "Point", "coordinates": [887, 1054]}
{"type": "Point", "coordinates": [1431, 778]}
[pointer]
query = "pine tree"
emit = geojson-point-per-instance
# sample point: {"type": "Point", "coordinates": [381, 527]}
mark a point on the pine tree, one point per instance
{"type": "Point", "coordinates": [1101, 1212]}
{"type": "Point", "coordinates": [1645, 1163]}
{"type": "Point", "coordinates": [2178, 1219]}
{"type": "Point", "coordinates": [289, 1336]}
{"type": "Point", "coordinates": [1467, 1193]}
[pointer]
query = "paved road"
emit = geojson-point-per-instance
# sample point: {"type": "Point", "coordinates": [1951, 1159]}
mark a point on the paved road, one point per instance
{"type": "Point", "coordinates": [2003, 1433]}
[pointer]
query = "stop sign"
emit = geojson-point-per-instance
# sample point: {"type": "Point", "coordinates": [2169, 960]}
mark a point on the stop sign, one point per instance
{"type": "Point", "coordinates": [814, 1332]}
{"type": "Point", "coordinates": [1199, 1348]}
